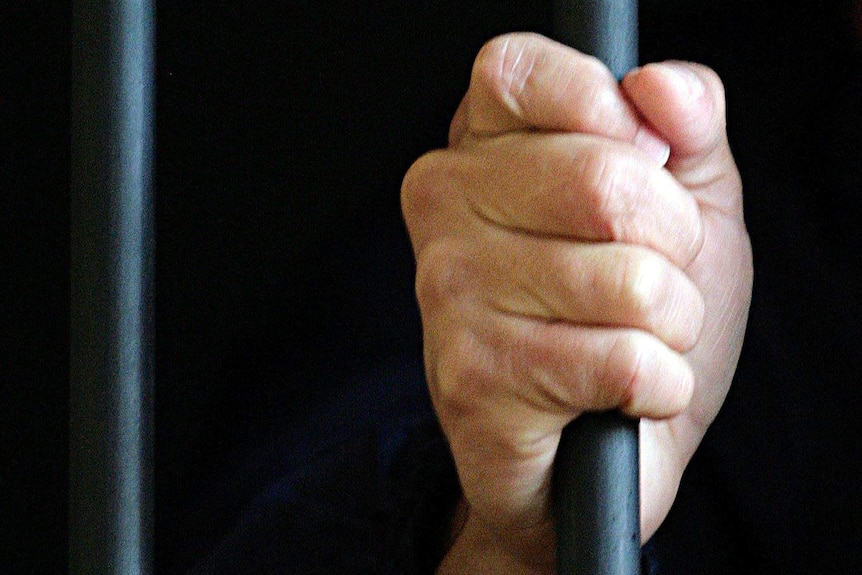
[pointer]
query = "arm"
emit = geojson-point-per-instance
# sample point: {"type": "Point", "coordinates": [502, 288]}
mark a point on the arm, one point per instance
{"type": "Point", "coordinates": [579, 246]}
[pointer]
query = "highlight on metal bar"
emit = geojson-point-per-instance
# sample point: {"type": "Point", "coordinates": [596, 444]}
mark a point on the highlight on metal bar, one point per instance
{"type": "Point", "coordinates": [111, 381]}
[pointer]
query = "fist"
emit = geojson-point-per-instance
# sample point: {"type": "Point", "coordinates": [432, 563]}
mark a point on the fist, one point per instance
{"type": "Point", "coordinates": [580, 246]}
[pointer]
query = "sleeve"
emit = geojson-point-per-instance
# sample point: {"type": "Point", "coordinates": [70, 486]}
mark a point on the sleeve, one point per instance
{"type": "Point", "coordinates": [374, 496]}
{"type": "Point", "coordinates": [426, 490]}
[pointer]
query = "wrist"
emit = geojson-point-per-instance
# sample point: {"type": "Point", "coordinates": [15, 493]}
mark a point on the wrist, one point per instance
{"type": "Point", "coordinates": [478, 549]}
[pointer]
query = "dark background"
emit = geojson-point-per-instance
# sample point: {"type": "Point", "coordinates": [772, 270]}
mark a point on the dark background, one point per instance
{"type": "Point", "coordinates": [282, 265]}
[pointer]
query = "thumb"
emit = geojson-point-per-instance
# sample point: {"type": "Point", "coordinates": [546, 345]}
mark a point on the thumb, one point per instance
{"type": "Point", "coordinates": [685, 104]}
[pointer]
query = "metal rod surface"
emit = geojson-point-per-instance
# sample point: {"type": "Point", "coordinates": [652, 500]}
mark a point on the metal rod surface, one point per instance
{"type": "Point", "coordinates": [596, 475]}
{"type": "Point", "coordinates": [110, 500]}
{"type": "Point", "coordinates": [606, 29]}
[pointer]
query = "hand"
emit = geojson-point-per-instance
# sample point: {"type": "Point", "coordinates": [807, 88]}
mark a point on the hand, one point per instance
{"type": "Point", "coordinates": [580, 246]}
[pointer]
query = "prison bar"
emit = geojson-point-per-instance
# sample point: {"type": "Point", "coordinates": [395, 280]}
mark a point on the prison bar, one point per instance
{"type": "Point", "coordinates": [596, 475]}
{"type": "Point", "coordinates": [111, 371]}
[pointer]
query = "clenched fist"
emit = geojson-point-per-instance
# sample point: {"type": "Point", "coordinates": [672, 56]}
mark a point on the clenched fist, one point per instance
{"type": "Point", "coordinates": [580, 246]}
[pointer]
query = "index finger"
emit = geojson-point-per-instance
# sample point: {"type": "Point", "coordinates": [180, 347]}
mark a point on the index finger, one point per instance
{"type": "Point", "coordinates": [526, 81]}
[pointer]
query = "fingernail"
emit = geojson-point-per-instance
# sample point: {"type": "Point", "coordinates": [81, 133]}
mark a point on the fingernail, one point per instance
{"type": "Point", "coordinates": [684, 79]}
{"type": "Point", "coordinates": [652, 145]}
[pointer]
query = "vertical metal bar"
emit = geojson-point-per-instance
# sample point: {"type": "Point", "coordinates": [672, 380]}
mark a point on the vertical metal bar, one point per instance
{"type": "Point", "coordinates": [596, 476]}
{"type": "Point", "coordinates": [606, 29]}
{"type": "Point", "coordinates": [111, 385]}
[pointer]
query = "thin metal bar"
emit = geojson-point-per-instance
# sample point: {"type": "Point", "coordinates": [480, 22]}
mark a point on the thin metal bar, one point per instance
{"type": "Point", "coordinates": [110, 523]}
{"type": "Point", "coordinates": [606, 29]}
{"type": "Point", "coordinates": [596, 476]}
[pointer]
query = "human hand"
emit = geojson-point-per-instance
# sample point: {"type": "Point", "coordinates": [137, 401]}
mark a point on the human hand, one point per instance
{"type": "Point", "coordinates": [565, 263]}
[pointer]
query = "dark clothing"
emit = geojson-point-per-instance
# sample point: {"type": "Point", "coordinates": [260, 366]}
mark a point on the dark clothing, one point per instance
{"type": "Point", "coordinates": [370, 498]}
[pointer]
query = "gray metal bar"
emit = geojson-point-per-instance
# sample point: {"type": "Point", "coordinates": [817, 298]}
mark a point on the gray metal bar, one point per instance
{"type": "Point", "coordinates": [596, 475]}
{"type": "Point", "coordinates": [606, 29]}
{"type": "Point", "coordinates": [110, 523]}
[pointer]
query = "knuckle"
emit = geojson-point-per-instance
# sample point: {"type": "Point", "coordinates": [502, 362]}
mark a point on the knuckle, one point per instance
{"type": "Point", "coordinates": [641, 282]}
{"type": "Point", "coordinates": [683, 316]}
{"type": "Point", "coordinates": [460, 375]}
{"type": "Point", "coordinates": [532, 356]}
{"type": "Point", "coordinates": [418, 190]}
{"type": "Point", "coordinates": [624, 371]}
{"type": "Point", "coordinates": [592, 67]}
{"type": "Point", "coordinates": [601, 106]}
{"type": "Point", "coordinates": [442, 275]}
{"type": "Point", "coordinates": [652, 295]}
{"type": "Point", "coordinates": [505, 66]}
{"type": "Point", "coordinates": [597, 185]}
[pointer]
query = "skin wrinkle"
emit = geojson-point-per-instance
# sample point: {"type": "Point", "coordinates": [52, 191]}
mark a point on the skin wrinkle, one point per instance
{"type": "Point", "coordinates": [500, 536]}
{"type": "Point", "coordinates": [616, 205]}
{"type": "Point", "coordinates": [511, 95]}
{"type": "Point", "coordinates": [529, 461]}
{"type": "Point", "coordinates": [535, 287]}
{"type": "Point", "coordinates": [528, 515]}
{"type": "Point", "coordinates": [602, 103]}
{"type": "Point", "coordinates": [505, 77]}
{"type": "Point", "coordinates": [728, 209]}
{"type": "Point", "coordinates": [521, 363]}
{"type": "Point", "coordinates": [725, 323]}
{"type": "Point", "coordinates": [535, 292]}
{"type": "Point", "coordinates": [643, 314]}
{"type": "Point", "coordinates": [624, 395]}
{"type": "Point", "coordinates": [517, 350]}
{"type": "Point", "coordinates": [609, 210]}
{"type": "Point", "coordinates": [595, 169]}
{"type": "Point", "coordinates": [531, 288]}
{"type": "Point", "coordinates": [525, 77]}
{"type": "Point", "coordinates": [539, 289]}
{"type": "Point", "coordinates": [599, 102]}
